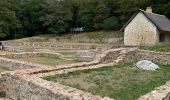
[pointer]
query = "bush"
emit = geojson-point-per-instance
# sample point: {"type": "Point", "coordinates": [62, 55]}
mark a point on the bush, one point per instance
{"type": "Point", "coordinates": [111, 23]}
{"type": "Point", "coordinates": [97, 36]}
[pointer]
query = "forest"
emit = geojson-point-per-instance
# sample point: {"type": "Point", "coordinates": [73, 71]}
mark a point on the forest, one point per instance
{"type": "Point", "coordinates": [25, 18]}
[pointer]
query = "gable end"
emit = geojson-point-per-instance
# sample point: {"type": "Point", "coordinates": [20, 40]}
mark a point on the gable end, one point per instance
{"type": "Point", "coordinates": [130, 20]}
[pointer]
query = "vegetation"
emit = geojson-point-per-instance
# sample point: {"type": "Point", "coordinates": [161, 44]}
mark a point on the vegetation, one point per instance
{"type": "Point", "coordinates": [2, 69]}
{"type": "Point", "coordinates": [5, 52]}
{"type": "Point", "coordinates": [158, 48]}
{"type": "Point", "coordinates": [52, 61]}
{"type": "Point", "coordinates": [97, 38]}
{"type": "Point", "coordinates": [21, 18]}
{"type": "Point", "coordinates": [121, 82]}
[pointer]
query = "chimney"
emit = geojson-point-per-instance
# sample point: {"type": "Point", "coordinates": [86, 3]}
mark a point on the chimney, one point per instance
{"type": "Point", "coordinates": [149, 9]}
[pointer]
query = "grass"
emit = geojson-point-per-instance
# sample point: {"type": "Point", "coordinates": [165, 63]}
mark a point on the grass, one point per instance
{"type": "Point", "coordinates": [121, 82]}
{"type": "Point", "coordinates": [86, 37]}
{"type": "Point", "coordinates": [158, 48]}
{"type": "Point", "coordinates": [2, 69]}
{"type": "Point", "coordinates": [5, 52]}
{"type": "Point", "coordinates": [52, 61]}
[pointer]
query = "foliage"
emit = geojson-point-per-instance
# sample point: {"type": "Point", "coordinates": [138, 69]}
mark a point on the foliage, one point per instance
{"type": "Point", "coordinates": [21, 18]}
{"type": "Point", "coordinates": [41, 16]}
{"type": "Point", "coordinates": [111, 23]}
{"type": "Point", "coordinates": [9, 24]}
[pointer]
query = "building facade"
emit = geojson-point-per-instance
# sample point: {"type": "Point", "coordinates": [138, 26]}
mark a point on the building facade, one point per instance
{"type": "Point", "coordinates": [147, 28]}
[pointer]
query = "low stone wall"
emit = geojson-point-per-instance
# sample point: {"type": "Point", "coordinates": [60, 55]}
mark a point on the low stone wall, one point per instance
{"type": "Point", "coordinates": [29, 85]}
{"type": "Point", "coordinates": [17, 49]}
{"type": "Point", "coordinates": [8, 60]}
{"type": "Point", "coordinates": [85, 55]}
{"type": "Point", "coordinates": [121, 55]}
{"type": "Point", "coordinates": [156, 57]}
{"type": "Point", "coordinates": [18, 65]}
{"type": "Point", "coordinates": [29, 54]}
{"type": "Point", "coordinates": [24, 85]}
{"type": "Point", "coordinates": [11, 45]}
{"type": "Point", "coordinates": [160, 93]}
{"type": "Point", "coordinates": [18, 88]}
{"type": "Point", "coordinates": [109, 56]}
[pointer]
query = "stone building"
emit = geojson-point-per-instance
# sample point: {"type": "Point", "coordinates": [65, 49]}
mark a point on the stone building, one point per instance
{"type": "Point", "coordinates": [146, 28]}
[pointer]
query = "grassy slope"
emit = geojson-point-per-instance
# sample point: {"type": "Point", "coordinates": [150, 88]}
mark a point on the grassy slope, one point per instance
{"type": "Point", "coordinates": [159, 48]}
{"type": "Point", "coordinates": [89, 37]}
{"type": "Point", "coordinates": [121, 82]}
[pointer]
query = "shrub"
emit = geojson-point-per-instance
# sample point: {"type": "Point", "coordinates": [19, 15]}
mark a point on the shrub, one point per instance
{"type": "Point", "coordinates": [97, 36]}
{"type": "Point", "coordinates": [111, 23]}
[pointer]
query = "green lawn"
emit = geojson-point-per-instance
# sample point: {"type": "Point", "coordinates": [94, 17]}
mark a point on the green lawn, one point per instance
{"type": "Point", "coordinates": [159, 48]}
{"type": "Point", "coordinates": [121, 82]}
{"type": "Point", "coordinates": [2, 69]}
{"type": "Point", "coordinates": [52, 61]}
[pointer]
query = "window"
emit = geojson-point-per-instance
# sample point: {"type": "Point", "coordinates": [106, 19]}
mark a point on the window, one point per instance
{"type": "Point", "coordinates": [161, 37]}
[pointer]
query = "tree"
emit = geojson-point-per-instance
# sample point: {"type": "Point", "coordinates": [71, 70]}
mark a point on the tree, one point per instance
{"type": "Point", "coordinates": [167, 11]}
{"type": "Point", "coordinates": [128, 7]}
{"type": "Point", "coordinates": [44, 16]}
{"type": "Point", "coordinates": [101, 13]}
{"type": "Point", "coordinates": [111, 23]}
{"type": "Point", "coordinates": [87, 13]}
{"type": "Point", "coordinates": [9, 24]}
{"type": "Point", "coordinates": [20, 18]}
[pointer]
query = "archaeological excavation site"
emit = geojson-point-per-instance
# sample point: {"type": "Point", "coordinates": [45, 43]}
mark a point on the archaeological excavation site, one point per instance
{"type": "Point", "coordinates": [84, 49]}
{"type": "Point", "coordinates": [55, 71]}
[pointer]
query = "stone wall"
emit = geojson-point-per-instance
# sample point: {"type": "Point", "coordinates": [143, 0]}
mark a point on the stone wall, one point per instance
{"type": "Point", "coordinates": [28, 46]}
{"type": "Point", "coordinates": [29, 85]}
{"type": "Point", "coordinates": [23, 84]}
{"type": "Point", "coordinates": [120, 55]}
{"type": "Point", "coordinates": [124, 55]}
{"type": "Point", "coordinates": [85, 55]}
{"type": "Point", "coordinates": [8, 60]}
{"type": "Point", "coordinates": [167, 38]}
{"type": "Point", "coordinates": [18, 65]}
{"type": "Point", "coordinates": [156, 57]}
{"type": "Point", "coordinates": [14, 48]}
{"type": "Point", "coordinates": [160, 93]}
{"type": "Point", "coordinates": [19, 88]}
{"type": "Point", "coordinates": [30, 54]}
{"type": "Point", "coordinates": [140, 31]}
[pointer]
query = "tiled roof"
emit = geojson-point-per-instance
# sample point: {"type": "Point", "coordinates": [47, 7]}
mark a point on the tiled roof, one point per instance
{"type": "Point", "coordinates": [160, 21]}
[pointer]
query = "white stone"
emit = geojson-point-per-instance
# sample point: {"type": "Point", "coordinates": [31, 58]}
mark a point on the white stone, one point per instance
{"type": "Point", "coordinates": [147, 65]}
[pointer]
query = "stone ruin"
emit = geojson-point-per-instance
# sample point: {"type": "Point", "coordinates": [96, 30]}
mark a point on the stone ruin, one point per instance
{"type": "Point", "coordinates": [25, 79]}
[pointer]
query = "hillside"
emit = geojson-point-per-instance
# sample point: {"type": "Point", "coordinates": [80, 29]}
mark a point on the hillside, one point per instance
{"type": "Point", "coordinates": [69, 42]}
{"type": "Point", "coordinates": [25, 18]}
{"type": "Point", "coordinates": [90, 37]}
